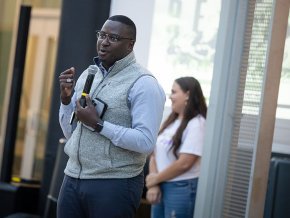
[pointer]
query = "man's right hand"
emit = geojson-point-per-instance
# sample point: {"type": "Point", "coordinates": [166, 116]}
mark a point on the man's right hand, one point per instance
{"type": "Point", "coordinates": [66, 82]}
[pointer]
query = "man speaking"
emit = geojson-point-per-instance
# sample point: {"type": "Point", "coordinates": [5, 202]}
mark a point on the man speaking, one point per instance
{"type": "Point", "coordinates": [104, 173]}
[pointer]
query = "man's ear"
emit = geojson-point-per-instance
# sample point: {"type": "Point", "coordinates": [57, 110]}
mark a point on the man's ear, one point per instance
{"type": "Point", "coordinates": [131, 45]}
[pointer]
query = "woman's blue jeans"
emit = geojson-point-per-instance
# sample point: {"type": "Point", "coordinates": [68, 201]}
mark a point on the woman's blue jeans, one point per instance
{"type": "Point", "coordinates": [178, 199]}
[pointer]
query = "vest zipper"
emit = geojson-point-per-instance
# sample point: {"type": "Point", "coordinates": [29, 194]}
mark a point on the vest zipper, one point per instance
{"type": "Point", "coordinates": [78, 152]}
{"type": "Point", "coordinates": [93, 93]}
{"type": "Point", "coordinates": [81, 130]}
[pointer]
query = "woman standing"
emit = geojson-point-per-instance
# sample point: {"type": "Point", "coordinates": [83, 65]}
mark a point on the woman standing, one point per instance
{"type": "Point", "coordinates": [175, 164]}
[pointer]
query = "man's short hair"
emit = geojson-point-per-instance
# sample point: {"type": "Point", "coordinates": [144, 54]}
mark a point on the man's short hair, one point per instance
{"type": "Point", "coordinates": [125, 20]}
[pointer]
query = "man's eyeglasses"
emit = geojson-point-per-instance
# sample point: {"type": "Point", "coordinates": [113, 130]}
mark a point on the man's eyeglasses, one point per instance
{"type": "Point", "coordinates": [111, 37]}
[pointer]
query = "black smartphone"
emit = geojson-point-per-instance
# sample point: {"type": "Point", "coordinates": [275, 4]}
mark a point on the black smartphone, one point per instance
{"type": "Point", "coordinates": [100, 106]}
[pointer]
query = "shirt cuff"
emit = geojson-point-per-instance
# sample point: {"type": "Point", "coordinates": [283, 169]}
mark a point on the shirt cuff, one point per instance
{"type": "Point", "coordinates": [66, 108]}
{"type": "Point", "coordinates": [108, 130]}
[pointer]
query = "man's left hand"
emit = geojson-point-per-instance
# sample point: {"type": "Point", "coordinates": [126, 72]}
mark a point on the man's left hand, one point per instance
{"type": "Point", "coordinates": [87, 115]}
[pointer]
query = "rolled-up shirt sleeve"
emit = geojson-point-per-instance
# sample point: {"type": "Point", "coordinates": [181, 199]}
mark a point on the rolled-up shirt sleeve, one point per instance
{"type": "Point", "coordinates": [147, 100]}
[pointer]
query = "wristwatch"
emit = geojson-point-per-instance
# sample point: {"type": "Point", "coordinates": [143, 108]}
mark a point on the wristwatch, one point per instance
{"type": "Point", "coordinates": [98, 126]}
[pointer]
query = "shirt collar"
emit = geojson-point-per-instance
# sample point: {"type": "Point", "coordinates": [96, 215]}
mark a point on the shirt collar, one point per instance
{"type": "Point", "coordinates": [99, 64]}
{"type": "Point", "coordinates": [118, 65]}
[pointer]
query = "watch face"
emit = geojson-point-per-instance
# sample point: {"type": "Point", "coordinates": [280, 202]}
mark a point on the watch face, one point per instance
{"type": "Point", "coordinates": [99, 127]}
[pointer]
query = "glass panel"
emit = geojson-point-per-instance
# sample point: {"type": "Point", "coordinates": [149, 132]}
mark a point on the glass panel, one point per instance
{"type": "Point", "coordinates": [37, 83]}
{"type": "Point", "coordinates": [45, 108]}
{"type": "Point", "coordinates": [183, 41]}
{"type": "Point", "coordinates": [8, 11]}
{"type": "Point", "coordinates": [283, 109]}
{"type": "Point", "coordinates": [24, 103]}
{"type": "Point", "coordinates": [38, 125]}
{"type": "Point", "coordinates": [247, 111]}
{"type": "Point", "coordinates": [35, 115]}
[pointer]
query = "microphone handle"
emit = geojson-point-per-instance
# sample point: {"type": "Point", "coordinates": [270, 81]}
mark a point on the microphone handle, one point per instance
{"type": "Point", "coordinates": [83, 101]}
{"type": "Point", "coordinates": [88, 84]}
{"type": "Point", "coordinates": [87, 88]}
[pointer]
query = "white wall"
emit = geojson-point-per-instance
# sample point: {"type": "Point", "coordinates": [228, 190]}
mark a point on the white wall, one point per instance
{"type": "Point", "coordinates": [141, 12]}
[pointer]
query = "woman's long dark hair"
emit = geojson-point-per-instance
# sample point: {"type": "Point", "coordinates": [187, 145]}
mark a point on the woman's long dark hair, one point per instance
{"type": "Point", "coordinates": [196, 105]}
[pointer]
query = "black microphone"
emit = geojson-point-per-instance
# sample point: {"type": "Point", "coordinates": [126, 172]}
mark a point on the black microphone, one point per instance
{"type": "Point", "coordinates": [89, 81]}
{"type": "Point", "coordinates": [92, 70]}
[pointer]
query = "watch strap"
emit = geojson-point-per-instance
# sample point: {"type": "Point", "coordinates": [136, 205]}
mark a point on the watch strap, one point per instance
{"type": "Point", "coordinates": [99, 126]}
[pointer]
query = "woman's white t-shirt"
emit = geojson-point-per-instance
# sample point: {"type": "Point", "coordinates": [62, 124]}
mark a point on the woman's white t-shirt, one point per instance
{"type": "Point", "coordinates": [191, 143]}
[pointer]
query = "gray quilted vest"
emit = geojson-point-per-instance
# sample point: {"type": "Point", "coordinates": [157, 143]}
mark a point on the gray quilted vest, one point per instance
{"type": "Point", "coordinates": [92, 155]}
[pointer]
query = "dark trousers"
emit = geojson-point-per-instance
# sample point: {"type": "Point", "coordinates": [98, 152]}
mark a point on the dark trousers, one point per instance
{"type": "Point", "coordinates": [98, 198]}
